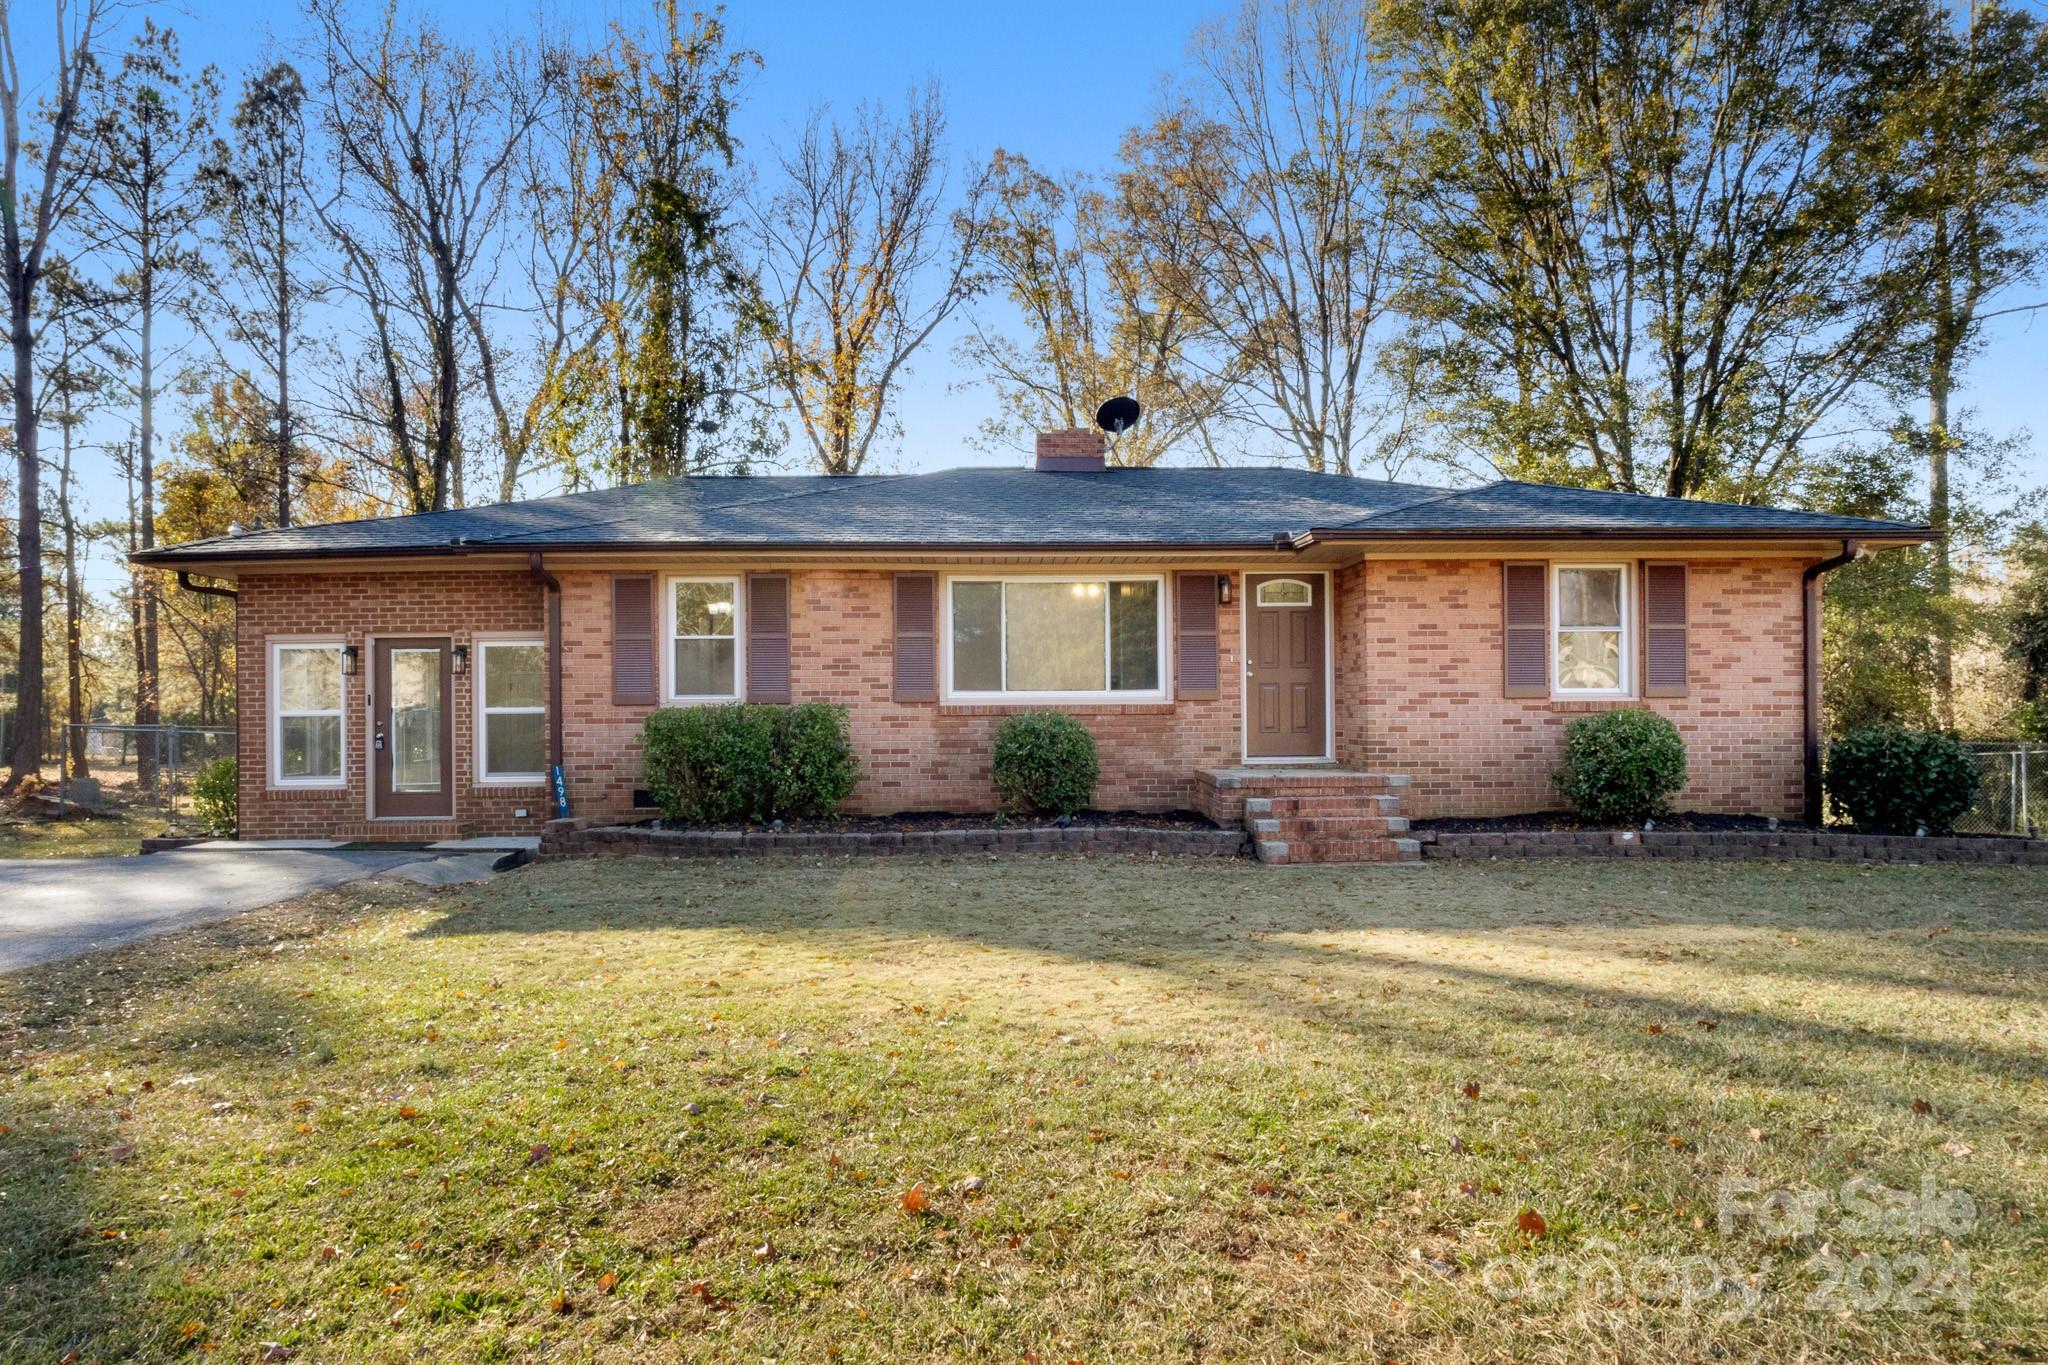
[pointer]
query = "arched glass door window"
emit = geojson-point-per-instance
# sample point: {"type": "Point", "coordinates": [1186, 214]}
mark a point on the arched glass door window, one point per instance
{"type": "Point", "coordinates": [1285, 592]}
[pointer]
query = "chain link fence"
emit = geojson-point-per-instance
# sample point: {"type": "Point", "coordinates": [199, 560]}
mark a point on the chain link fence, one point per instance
{"type": "Point", "coordinates": [2012, 788]}
{"type": "Point", "coordinates": [137, 768]}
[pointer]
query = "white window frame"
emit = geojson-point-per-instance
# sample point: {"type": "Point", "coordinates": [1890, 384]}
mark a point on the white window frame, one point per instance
{"type": "Point", "coordinates": [1627, 628]}
{"type": "Point", "coordinates": [479, 675]}
{"type": "Point", "coordinates": [1105, 696]}
{"type": "Point", "coordinates": [668, 639]}
{"type": "Point", "coordinates": [277, 716]}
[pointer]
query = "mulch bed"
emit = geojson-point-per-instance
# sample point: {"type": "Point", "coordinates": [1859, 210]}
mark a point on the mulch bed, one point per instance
{"type": "Point", "coordinates": [924, 821]}
{"type": "Point", "coordinates": [1548, 820]}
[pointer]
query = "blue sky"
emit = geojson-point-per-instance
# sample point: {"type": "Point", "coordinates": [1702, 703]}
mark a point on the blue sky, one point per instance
{"type": "Point", "coordinates": [1056, 80]}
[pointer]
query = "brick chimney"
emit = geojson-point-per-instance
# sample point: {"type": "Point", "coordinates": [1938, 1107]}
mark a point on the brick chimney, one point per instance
{"type": "Point", "coordinates": [1077, 450]}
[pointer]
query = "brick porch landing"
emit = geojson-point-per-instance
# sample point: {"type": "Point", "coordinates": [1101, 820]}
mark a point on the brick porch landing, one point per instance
{"type": "Point", "coordinates": [1316, 813]}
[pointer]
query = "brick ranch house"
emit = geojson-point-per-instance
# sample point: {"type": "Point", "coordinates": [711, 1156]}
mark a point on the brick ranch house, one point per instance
{"type": "Point", "coordinates": [1227, 634]}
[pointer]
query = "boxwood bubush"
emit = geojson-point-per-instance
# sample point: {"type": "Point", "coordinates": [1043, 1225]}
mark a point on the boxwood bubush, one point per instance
{"type": "Point", "coordinates": [1045, 761]}
{"type": "Point", "coordinates": [716, 765]}
{"type": "Point", "coordinates": [1886, 779]}
{"type": "Point", "coordinates": [1621, 767]}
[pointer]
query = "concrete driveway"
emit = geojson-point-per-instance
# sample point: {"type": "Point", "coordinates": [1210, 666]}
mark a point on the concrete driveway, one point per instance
{"type": "Point", "coordinates": [53, 908]}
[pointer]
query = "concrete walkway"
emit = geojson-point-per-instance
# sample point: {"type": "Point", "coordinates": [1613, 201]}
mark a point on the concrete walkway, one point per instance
{"type": "Point", "coordinates": [53, 908]}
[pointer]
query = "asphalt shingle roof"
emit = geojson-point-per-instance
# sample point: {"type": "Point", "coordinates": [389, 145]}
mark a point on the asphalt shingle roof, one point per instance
{"type": "Point", "coordinates": [991, 507]}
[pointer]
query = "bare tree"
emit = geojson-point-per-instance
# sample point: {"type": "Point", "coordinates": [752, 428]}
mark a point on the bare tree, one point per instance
{"type": "Point", "coordinates": [861, 264]}
{"type": "Point", "coordinates": [426, 136]}
{"type": "Point", "coordinates": [43, 181]}
{"type": "Point", "coordinates": [1283, 166]}
{"type": "Point", "coordinates": [256, 189]}
{"type": "Point", "coordinates": [1102, 311]}
{"type": "Point", "coordinates": [152, 125]}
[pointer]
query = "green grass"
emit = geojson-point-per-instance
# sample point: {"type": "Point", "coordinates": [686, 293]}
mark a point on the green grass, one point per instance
{"type": "Point", "coordinates": [102, 836]}
{"type": "Point", "coordinates": [647, 1111]}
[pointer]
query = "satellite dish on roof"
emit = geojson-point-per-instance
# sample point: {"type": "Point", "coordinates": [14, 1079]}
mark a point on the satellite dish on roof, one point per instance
{"type": "Point", "coordinates": [1118, 415]}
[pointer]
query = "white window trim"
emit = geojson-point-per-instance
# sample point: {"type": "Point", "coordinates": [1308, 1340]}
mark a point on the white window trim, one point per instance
{"type": "Point", "coordinates": [668, 639]}
{"type": "Point", "coordinates": [1104, 697]}
{"type": "Point", "coordinates": [478, 673]}
{"type": "Point", "coordinates": [1627, 629]}
{"type": "Point", "coordinates": [275, 777]}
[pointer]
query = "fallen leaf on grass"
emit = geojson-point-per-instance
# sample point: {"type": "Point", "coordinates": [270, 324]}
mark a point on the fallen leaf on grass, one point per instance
{"type": "Point", "coordinates": [1958, 1148]}
{"type": "Point", "coordinates": [1471, 1090]}
{"type": "Point", "coordinates": [607, 1282]}
{"type": "Point", "coordinates": [540, 1153]}
{"type": "Point", "coordinates": [914, 1200]}
{"type": "Point", "coordinates": [1922, 1107]}
{"type": "Point", "coordinates": [560, 1303]}
{"type": "Point", "coordinates": [406, 1111]}
{"type": "Point", "coordinates": [1531, 1223]}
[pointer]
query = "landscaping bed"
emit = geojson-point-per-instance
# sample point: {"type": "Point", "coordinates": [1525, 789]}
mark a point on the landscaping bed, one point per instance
{"type": "Point", "coordinates": [1176, 832]}
{"type": "Point", "coordinates": [1545, 820]}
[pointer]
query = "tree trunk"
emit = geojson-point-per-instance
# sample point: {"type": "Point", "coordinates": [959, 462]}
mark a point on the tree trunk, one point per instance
{"type": "Point", "coordinates": [1940, 384]}
{"type": "Point", "coordinates": [148, 710]}
{"type": "Point", "coordinates": [26, 758]}
{"type": "Point", "coordinates": [74, 635]}
{"type": "Point", "coordinates": [284, 361]}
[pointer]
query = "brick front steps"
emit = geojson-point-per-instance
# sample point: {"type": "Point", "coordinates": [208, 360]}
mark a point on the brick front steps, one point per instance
{"type": "Point", "coordinates": [1312, 814]}
{"type": "Point", "coordinates": [1841, 847]}
{"type": "Point", "coordinates": [579, 839]}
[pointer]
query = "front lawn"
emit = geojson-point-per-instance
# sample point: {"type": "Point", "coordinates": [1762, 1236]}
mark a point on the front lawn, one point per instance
{"type": "Point", "coordinates": [1047, 1109]}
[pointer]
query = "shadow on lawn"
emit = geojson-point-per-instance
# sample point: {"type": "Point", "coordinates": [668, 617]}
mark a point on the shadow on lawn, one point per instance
{"type": "Point", "coordinates": [1238, 931]}
{"type": "Point", "coordinates": [79, 1267]}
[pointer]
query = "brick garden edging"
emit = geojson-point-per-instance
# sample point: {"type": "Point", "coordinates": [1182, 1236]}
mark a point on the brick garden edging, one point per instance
{"type": "Point", "coordinates": [1862, 848]}
{"type": "Point", "coordinates": [578, 839]}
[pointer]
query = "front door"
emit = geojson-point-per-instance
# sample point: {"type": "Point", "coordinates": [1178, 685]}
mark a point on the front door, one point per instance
{"type": "Point", "coordinates": [413, 741]}
{"type": "Point", "coordinates": [1285, 678]}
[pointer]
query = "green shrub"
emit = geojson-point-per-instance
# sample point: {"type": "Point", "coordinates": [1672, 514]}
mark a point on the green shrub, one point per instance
{"type": "Point", "coordinates": [715, 765]}
{"type": "Point", "coordinates": [1045, 761]}
{"type": "Point", "coordinates": [1889, 780]}
{"type": "Point", "coordinates": [1621, 767]}
{"type": "Point", "coordinates": [214, 795]}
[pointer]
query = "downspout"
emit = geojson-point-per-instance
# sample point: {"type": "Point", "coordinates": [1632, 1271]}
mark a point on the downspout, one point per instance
{"type": "Point", "coordinates": [1810, 589]}
{"type": "Point", "coordinates": [554, 647]}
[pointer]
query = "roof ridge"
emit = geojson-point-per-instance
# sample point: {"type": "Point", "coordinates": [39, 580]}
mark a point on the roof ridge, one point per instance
{"type": "Point", "coordinates": [1445, 496]}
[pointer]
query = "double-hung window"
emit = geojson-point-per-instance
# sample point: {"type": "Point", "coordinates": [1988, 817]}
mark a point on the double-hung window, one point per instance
{"type": "Point", "coordinates": [1589, 603]}
{"type": "Point", "coordinates": [703, 639]}
{"type": "Point", "coordinates": [1045, 638]}
{"type": "Point", "coordinates": [511, 714]}
{"type": "Point", "coordinates": [306, 714]}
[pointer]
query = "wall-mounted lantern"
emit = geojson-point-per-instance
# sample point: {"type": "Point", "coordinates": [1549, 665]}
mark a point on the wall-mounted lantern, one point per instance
{"type": "Point", "coordinates": [351, 655]}
{"type": "Point", "coordinates": [1223, 590]}
{"type": "Point", "coordinates": [461, 660]}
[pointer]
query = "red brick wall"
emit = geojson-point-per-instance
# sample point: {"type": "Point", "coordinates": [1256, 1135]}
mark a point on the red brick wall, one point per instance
{"type": "Point", "coordinates": [914, 756]}
{"type": "Point", "coordinates": [354, 607]}
{"type": "Point", "coordinates": [1417, 669]}
{"type": "Point", "coordinates": [1424, 639]}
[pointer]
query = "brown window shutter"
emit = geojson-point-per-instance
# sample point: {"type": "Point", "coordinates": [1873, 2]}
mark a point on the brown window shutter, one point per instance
{"type": "Point", "coordinates": [768, 637]}
{"type": "Point", "coordinates": [1664, 642]}
{"type": "Point", "coordinates": [1525, 630]}
{"type": "Point", "coordinates": [633, 639]}
{"type": "Point", "coordinates": [1195, 669]}
{"type": "Point", "coordinates": [917, 637]}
